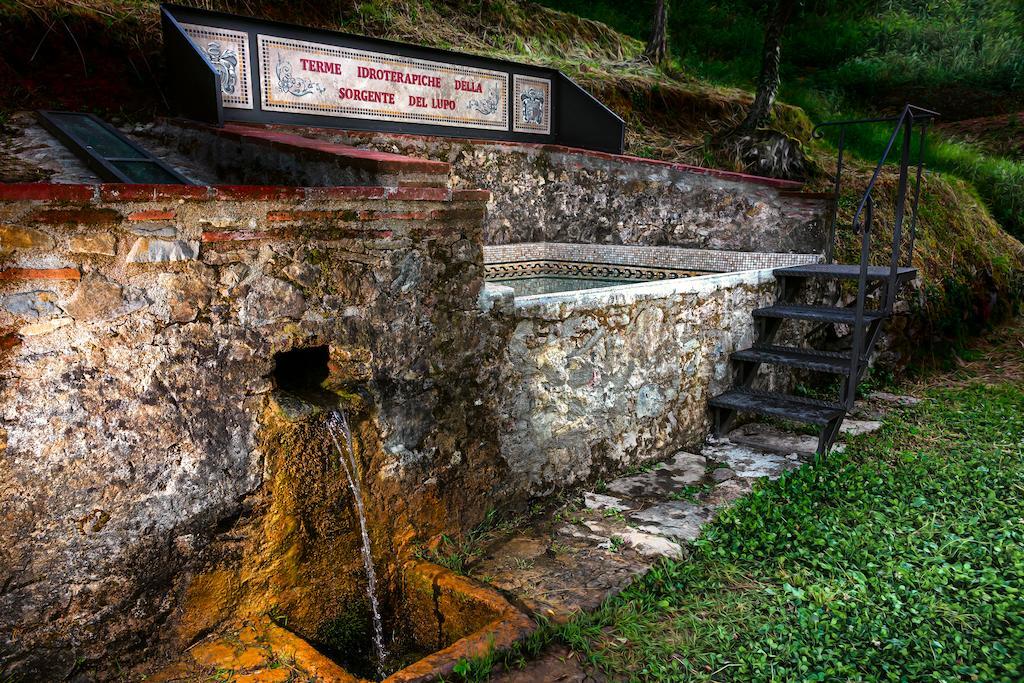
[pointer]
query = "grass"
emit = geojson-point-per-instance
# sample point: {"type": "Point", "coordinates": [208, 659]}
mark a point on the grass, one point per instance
{"type": "Point", "coordinates": [901, 559]}
{"type": "Point", "coordinates": [457, 553]}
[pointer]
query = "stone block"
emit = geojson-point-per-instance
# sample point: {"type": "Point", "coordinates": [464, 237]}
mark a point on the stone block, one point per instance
{"type": "Point", "coordinates": [158, 230]}
{"type": "Point", "coordinates": [187, 295]}
{"type": "Point", "coordinates": [96, 297]}
{"type": "Point", "coordinates": [17, 237]}
{"type": "Point", "coordinates": [272, 299]}
{"type": "Point", "coordinates": [102, 243]}
{"type": "Point", "coordinates": [32, 305]}
{"type": "Point", "coordinates": [46, 327]}
{"type": "Point", "coordinates": [147, 250]}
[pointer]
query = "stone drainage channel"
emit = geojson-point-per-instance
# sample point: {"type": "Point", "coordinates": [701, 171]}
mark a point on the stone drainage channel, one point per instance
{"type": "Point", "coordinates": [567, 561]}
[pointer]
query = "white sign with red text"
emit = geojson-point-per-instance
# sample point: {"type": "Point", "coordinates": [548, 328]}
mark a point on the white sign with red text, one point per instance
{"type": "Point", "coordinates": [312, 78]}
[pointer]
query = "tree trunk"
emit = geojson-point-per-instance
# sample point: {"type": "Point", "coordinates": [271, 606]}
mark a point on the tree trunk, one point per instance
{"type": "Point", "coordinates": [769, 79]}
{"type": "Point", "coordinates": [657, 43]}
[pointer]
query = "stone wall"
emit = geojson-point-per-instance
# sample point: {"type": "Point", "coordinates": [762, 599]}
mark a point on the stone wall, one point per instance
{"type": "Point", "coordinates": [148, 486]}
{"type": "Point", "coordinates": [546, 193]}
{"type": "Point", "coordinates": [597, 381]}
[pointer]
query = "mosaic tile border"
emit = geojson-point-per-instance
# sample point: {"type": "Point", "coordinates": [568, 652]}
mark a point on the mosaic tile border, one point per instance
{"type": "Point", "coordinates": [655, 259]}
{"type": "Point", "coordinates": [599, 271]}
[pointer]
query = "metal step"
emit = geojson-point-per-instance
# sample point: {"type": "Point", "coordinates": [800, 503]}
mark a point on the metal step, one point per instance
{"type": "Point", "coordinates": [796, 408]}
{"type": "Point", "coordinates": [819, 314]}
{"type": "Point", "coordinates": [842, 271]}
{"type": "Point", "coordinates": [807, 359]}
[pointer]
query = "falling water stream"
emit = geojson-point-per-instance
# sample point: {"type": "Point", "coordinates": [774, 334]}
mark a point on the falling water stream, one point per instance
{"type": "Point", "coordinates": [338, 422]}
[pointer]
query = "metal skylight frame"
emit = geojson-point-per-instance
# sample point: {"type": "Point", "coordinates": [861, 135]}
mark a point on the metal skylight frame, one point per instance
{"type": "Point", "coordinates": [108, 167]}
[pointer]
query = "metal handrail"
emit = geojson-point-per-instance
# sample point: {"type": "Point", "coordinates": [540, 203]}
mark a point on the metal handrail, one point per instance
{"type": "Point", "coordinates": [925, 115]}
{"type": "Point", "coordinates": [863, 219]}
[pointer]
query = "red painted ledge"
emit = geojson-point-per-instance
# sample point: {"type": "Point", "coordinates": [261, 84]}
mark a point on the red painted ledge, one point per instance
{"type": "Point", "coordinates": [117, 192]}
{"type": "Point", "coordinates": [733, 176]}
{"type": "Point", "coordinates": [47, 191]}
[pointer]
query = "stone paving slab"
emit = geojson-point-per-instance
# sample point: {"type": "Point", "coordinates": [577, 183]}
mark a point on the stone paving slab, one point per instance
{"type": "Point", "coordinates": [752, 463]}
{"type": "Point", "coordinates": [682, 470]}
{"type": "Point", "coordinates": [774, 440]}
{"type": "Point", "coordinates": [558, 572]}
{"type": "Point", "coordinates": [594, 547]}
{"type": "Point", "coordinates": [878, 403]}
{"type": "Point", "coordinates": [854, 427]}
{"type": "Point", "coordinates": [675, 519]}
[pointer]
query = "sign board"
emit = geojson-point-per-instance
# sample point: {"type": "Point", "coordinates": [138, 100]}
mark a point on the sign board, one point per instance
{"type": "Point", "coordinates": [314, 78]}
{"type": "Point", "coordinates": [268, 72]}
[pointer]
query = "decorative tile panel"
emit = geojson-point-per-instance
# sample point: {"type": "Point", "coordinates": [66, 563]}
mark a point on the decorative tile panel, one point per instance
{"type": "Point", "coordinates": [228, 52]}
{"type": "Point", "coordinates": [532, 105]}
{"type": "Point", "coordinates": [302, 77]}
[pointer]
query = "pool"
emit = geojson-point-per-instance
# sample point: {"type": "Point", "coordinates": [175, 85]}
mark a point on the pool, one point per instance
{"type": "Point", "coordinates": [540, 268]}
{"type": "Point", "coordinates": [545, 284]}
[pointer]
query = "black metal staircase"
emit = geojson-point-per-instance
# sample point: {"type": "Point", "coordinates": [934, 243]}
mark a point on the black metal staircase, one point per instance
{"type": "Point", "coordinates": [850, 365]}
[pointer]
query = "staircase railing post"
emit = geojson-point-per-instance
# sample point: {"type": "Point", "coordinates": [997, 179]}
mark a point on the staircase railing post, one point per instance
{"type": "Point", "coordinates": [901, 208]}
{"type": "Point", "coordinates": [857, 346]}
{"type": "Point", "coordinates": [837, 187]}
{"type": "Point", "coordinates": [917, 192]}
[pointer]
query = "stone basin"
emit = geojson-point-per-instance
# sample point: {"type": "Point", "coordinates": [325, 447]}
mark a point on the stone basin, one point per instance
{"type": "Point", "coordinates": [442, 618]}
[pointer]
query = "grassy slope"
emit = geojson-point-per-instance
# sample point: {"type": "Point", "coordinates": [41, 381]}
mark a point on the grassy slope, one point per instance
{"type": "Point", "coordinates": [108, 51]}
{"type": "Point", "coordinates": [900, 559]}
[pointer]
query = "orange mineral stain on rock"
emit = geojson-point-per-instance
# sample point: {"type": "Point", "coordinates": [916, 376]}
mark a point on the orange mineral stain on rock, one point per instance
{"type": "Point", "coordinates": [207, 604]}
{"type": "Point", "coordinates": [266, 676]}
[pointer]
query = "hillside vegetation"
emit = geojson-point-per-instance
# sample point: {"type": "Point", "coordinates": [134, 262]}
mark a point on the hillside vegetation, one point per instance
{"type": "Point", "coordinates": [104, 55]}
{"type": "Point", "coordinates": [859, 58]}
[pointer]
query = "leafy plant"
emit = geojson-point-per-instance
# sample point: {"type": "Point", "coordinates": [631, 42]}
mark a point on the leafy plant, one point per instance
{"type": "Point", "coordinates": [901, 558]}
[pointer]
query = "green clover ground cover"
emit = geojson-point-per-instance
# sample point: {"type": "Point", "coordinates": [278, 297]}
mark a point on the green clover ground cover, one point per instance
{"type": "Point", "coordinates": [899, 560]}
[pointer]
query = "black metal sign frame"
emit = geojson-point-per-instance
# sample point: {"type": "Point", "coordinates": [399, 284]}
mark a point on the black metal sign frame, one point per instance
{"type": "Point", "coordinates": [577, 119]}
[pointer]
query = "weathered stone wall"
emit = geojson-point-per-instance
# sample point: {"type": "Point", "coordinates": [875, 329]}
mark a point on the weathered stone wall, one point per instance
{"type": "Point", "coordinates": [147, 489]}
{"type": "Point", "coordinates": [545, 193]}
{"type": "Point", "coordinates": [262, 156]}
{"type": "Point", "coordinates": [600, 380]}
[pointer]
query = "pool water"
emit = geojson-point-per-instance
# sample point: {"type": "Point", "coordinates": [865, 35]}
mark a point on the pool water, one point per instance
{"type": "Point", "coordinates": [525, 286]}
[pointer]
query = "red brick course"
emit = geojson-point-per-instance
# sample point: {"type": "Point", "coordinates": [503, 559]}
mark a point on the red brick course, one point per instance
{"type": "Point", "coordinates": [46, 191]}
{"type": "Point", "coordinates": [40, 274]}
{"type": "Point", "coordinates": [300, 205]}
{"type": "Point", "coordinates": [259, 192]}
{"type": "Point", "coordinates": [342, 192]}
{"type": "Point", "coordinates": [124, 192]}
{"type": "Point", "coordinates": [471, 195]}
{"type": "Point", "coordinates": [240, 235]}
{"type": "Point", "coordinates": [151, 215]}
{"type": "Point", "coordinates": [437, 194]}
{"type": "Point", "coordinates": [77, 216]}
